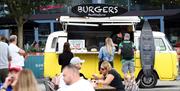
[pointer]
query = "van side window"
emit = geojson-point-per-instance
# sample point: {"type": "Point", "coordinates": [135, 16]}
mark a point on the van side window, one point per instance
{"type": "Point", "coordinates": [159, 44]}
{"type": "Point", "coordinates": [54, 42]}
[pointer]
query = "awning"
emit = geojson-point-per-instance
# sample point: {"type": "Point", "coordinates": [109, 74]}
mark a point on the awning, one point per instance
{"type": "Point", "coordinates": [94, 21]}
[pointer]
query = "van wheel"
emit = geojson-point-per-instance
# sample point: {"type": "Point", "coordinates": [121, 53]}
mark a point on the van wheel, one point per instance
{"type": "Point", "coordinates": [148, 82]}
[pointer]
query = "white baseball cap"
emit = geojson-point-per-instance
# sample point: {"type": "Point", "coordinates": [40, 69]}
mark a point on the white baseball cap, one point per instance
{"type": "Point", "coordinates": [76, 60]}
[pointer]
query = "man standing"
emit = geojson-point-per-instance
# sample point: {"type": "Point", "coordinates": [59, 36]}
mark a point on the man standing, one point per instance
{"type": "Point", "coordinates": [4, 59]}
{"type": "Point", "coordinates": [16, 52]}
{"type": "Point", "coordinates": [73, 80]}
{"type": "Point", "coordinates": [126, 49]}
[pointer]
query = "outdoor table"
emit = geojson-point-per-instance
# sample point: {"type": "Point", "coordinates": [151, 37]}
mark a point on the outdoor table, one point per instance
{"type": "Point", "coordinates": [105, 88]}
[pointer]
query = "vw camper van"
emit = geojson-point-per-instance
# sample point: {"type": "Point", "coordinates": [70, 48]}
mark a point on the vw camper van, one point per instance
{"type": "Point", "coordinates": [165, 64]}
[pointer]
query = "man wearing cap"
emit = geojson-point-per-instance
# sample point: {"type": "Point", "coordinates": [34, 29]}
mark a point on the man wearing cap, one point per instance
{"type": "Point", "coordinates": [11, 79]}
{"type": "Point", "coordinates": [4, 59]}
{"type": "Point", "coordinates": [77, 62]}
{"type": "Point", "coordinates": [126, 49]}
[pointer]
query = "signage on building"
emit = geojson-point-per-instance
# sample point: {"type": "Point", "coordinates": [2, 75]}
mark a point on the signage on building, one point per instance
{"type": "Point", "coordinates": [98, 10]}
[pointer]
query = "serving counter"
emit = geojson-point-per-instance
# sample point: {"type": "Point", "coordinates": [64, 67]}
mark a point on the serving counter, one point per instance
{"type": "Point", "coordinates": [89, 67]}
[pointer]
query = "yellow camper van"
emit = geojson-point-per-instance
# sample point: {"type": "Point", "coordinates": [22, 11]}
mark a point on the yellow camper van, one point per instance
{"type": "Point", "coordinates": [89, 34]}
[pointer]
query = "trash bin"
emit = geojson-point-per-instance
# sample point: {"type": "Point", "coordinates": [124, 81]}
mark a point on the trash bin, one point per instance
{"type": "Point", "coordinates": [36, 64]}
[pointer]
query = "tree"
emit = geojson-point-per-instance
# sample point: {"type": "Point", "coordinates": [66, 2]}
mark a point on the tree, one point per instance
{"type": "Point", "coordinates": [21, 10]}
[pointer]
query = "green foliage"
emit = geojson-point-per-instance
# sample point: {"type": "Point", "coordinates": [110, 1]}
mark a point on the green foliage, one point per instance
{"type": "Point", "coordinates": [21, 10]}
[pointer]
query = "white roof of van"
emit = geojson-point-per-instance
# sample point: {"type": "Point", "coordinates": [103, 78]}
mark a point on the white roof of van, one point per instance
{"type": "Point", "coordinates": [58, 33]}
{"type": "Point", "coordinates": [155, 34]}
{"type": "Point", "coordinates": [114, 19]}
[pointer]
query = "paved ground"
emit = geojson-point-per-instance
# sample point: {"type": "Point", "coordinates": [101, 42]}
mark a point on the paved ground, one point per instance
{"type": "Point", "coordinates": [165, 86]}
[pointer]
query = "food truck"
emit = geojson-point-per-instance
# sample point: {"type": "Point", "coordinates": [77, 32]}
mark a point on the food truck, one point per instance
{"type": "Point", "coordinates": [87, 34]}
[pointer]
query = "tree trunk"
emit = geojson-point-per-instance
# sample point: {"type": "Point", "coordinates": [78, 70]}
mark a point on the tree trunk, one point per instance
{"type": "Point", "coordinates": [20, 35]}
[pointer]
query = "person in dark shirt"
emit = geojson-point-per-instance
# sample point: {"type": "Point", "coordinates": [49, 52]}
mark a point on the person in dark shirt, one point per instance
{"type": "Point", "coordinates": [66, 56]}
{"type": "Point", "coordinates": [111, 77]}
{"type": "Point", "coordinates": [117, 38]}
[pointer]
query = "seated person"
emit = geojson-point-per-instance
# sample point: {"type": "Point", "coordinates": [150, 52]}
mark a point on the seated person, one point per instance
{"type": "Point", "coordinates": [110, 77]}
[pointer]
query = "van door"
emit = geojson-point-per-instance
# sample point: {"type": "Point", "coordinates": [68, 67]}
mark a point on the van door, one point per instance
{"type": "Point", "coordinates": [61, 41]}
{"type": "Point", "coordinates": [163, 63]}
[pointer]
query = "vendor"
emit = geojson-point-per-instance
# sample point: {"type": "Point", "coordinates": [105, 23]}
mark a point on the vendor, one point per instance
{"type": "Point", "coordinates": [117, 39]}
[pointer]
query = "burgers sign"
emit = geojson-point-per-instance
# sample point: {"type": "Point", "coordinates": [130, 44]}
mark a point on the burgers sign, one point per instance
{"type": "Point", "coordinates": [98, 10]}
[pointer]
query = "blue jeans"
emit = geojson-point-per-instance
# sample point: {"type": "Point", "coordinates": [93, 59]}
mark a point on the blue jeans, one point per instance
{"type": "Point", "coordinates": [128, 65]}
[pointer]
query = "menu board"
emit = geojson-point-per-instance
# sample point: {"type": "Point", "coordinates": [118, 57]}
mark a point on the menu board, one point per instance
{"type": "Point", "coordinates": [77, 44]}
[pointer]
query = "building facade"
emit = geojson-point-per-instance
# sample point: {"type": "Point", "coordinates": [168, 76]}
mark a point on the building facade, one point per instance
{"type": "Point", "coordinates": [163, 16]}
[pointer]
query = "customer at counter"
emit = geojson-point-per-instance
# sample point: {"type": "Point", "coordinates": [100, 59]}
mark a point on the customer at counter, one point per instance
{"type": "Point", "coordinates": [106, 52]}
{"type": "Point", "coordinates": [66, 56]}
{"type": "Point", "coordinates": [126, 49]}
{"type": "Point", "coordinates": [117, 39]}
{"type": "Point", "coordinates": [110, 77]}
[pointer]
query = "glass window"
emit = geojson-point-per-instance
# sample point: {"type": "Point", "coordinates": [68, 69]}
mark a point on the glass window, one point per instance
{"type": "Point", "coordinates": [160, 46]}
{"type": "Point", "coordinates": [44, 31]}
{"type": "Point", "coordinates": [54, 42]}
{"type": "Point", "coordinates": [136, 43]}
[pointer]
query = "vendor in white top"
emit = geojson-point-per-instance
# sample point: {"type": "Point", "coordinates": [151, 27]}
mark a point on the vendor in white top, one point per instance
{"type": "Point", "coordinates": [16, 52]}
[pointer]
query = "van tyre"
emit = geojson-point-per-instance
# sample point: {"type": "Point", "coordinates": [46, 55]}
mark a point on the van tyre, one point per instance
{"type": "Point", "coordinates": [148, 82]}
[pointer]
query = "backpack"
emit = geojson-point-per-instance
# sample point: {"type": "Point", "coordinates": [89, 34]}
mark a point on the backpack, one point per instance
{"type": "Point", "coordinates": [127, 51]}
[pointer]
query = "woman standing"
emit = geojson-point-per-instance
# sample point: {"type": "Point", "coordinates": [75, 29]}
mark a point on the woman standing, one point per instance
{"type": "Point", "coordinates": [66, 56]}
{"type": "Point", "coordinates": [106, 52]}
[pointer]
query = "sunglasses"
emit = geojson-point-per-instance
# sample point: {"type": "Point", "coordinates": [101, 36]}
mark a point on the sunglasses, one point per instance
{"type": "Point", "coordinates": [102, 69]}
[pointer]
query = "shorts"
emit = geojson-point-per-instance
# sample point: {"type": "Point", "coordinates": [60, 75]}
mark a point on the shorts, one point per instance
{"type": "Point", "coordinates": [3, 75]}
{"type": "Point", "coordinates": [128, 65]}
